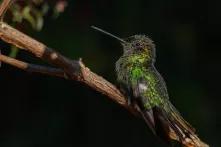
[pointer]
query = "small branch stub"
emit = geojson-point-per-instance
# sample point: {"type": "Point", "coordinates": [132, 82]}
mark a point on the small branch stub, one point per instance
{"type": "Point", "coordinates": [4, 7]}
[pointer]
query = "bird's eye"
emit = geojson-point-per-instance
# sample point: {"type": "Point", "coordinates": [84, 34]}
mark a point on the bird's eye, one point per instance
{"type": "Point", "coordinates": [138, 44]}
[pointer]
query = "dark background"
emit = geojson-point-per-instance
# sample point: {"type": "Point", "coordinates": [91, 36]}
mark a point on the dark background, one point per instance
{"type": "Point", "coordinates": [45, 111]}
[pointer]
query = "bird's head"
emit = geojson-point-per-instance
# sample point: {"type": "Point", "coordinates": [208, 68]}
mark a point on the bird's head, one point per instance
{"type": "Point", "coordinates": [139, 45]}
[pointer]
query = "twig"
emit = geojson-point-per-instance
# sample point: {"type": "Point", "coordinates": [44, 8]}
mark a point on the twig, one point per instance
{"type": "Point", "coordinates": [4, 7]}
{"type": "Point", "coordinates": [32, 68]}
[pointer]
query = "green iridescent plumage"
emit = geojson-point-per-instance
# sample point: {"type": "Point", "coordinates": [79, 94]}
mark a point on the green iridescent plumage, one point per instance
{"type": "Point", "coordinates": [136, 65]}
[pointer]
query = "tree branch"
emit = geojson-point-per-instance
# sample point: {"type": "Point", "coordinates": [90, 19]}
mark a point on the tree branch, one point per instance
{"type": "Point", "coordinates": [4, 7]}
{"type": "Point", "coordinates": [32, 68]}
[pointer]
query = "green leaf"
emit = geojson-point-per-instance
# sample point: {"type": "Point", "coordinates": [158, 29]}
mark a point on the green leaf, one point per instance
{"type": "Point", "coordinates": [27, 16]}
{"type": "Point", "coordinates": [16, 13]}
{"type": "Point", "coordinates": [14, 52]}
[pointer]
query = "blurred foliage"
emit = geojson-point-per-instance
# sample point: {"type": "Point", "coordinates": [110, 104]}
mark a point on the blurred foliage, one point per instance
{"type": "Point", "coordinates": [33, 12]}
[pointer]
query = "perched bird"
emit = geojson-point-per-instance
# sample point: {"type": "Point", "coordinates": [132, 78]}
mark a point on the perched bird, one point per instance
{"type": "Point", "coordinates": [145, 88]}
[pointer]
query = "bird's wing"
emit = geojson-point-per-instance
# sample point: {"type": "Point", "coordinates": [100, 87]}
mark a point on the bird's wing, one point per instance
{"type": "Point", "coordinates": [160, 84]}
{"type": "Point", "coordinates": [138, 89]}
{"type": "Point", "coordinates": [174, 112]}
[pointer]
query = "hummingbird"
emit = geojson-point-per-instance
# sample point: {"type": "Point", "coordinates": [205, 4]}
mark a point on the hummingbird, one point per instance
{"type": "Point", "coordinates": [146, 91]}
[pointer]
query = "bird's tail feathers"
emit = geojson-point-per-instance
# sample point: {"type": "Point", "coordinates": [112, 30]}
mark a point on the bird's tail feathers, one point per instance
{"type": "Point", "coordinates": [181, 129]}
{"type": "Point", "coordinates": [169, 124]}
{"type": "Point", "coordinates": [149, 119]}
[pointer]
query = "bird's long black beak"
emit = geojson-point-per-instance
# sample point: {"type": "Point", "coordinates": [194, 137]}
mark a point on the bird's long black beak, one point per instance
{"type": "Point", "coordinates": [109, 34]}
